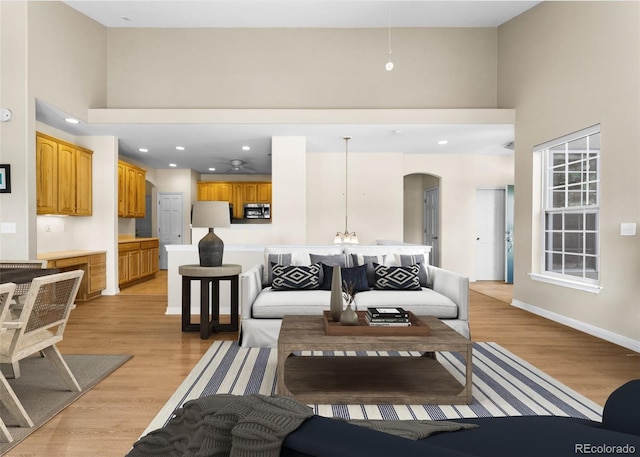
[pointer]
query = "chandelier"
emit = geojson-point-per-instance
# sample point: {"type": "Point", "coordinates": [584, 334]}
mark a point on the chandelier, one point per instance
{"type": "Point", "coordinates": [346, 237]}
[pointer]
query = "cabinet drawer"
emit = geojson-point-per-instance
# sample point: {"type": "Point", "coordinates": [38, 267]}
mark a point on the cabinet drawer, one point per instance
{"type": "Point", "coordinates": [61, 263]}
{"type": "Point", "coordinates": [126, 247]}
{"type": "Point", "coordinates": [97, 258]}
{"type": "Point", "coordinates": [149, 244]}
{"type": "Point", "coordinates": [97, 277]}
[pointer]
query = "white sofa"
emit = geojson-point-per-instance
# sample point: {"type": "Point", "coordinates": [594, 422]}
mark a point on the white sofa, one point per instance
{"type": "Point", "coordinates": [262, 308]}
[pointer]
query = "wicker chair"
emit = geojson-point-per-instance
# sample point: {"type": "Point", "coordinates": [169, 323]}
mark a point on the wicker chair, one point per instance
{"type": "Point", "coordinates": [42, 322]}
{"type": "Point", "coordinates": [7, 395]}
{"type": "Point", "coordinates": [22, 289]}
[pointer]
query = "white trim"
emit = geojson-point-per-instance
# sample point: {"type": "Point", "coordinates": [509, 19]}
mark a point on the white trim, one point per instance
{"type": "Point", "coordinates": [558, 281]}
{"type": "Point", "coordinates": [567, 138]}
{"type": "Point", "coordinates": [598, 332]}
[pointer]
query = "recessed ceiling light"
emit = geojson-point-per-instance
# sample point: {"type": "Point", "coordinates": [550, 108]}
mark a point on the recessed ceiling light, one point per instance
{"type": "Point", "coordinates": [246, 148]}
{"type": "Point", "coordinates": [180, 148]}
{"type": "Point", "coordinates": [397, 132]}
{"type": "Point", "coordinates": [71, 120]}
{"type": "Point", "coordinates": [443, 142]}
{"type": "Point", "coordinates": [212, 169]}
{"type": "Point", "coordinates": [143, 150]}
{"type": "Point", "coordinates": [173, 165]}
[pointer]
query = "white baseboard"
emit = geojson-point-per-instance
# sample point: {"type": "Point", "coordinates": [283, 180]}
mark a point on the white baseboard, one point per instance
{"type": "Point", "coordinates": [598, 332]}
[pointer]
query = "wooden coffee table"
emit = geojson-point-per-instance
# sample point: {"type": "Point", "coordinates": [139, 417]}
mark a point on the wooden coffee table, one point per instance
{"type": "Point", "coordinates": [369, 379]}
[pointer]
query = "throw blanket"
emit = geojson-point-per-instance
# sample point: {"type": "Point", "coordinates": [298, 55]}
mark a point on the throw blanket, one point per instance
{"type": "Point", "coordinates": [226, 425]}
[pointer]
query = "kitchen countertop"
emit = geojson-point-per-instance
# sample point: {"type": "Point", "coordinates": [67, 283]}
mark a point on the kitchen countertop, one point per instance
{"type": "Point", "coordinates": [135, 240]}
{"type": "Point", "coordinates": [66, 254]}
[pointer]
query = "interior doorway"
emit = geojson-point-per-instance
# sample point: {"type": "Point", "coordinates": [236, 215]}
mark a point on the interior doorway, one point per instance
{"type": "Point", "coordinates": [422, 213]}
{"type": "Point", "coordinates": [490, 234]}
{"type": "Point", "coordinates": [170, 223]}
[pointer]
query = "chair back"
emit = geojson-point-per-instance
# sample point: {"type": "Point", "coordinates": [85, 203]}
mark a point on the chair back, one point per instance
{"type": "Point", "coordinates": [23, 263]}
{"type": "Point", "coordinates": [6, 292]}
{"type": "Point", "coordinates": [47, 307]}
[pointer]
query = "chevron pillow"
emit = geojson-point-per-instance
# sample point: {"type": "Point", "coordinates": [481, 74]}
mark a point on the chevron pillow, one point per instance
{"type": "Point", "coordinates": [397, 278]}
{"type": "Point", "coordinates": [295, 277]}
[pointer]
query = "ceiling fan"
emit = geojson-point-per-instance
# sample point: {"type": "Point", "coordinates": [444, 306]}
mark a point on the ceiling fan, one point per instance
{"type": "Point", "coordinates": [239, 166]}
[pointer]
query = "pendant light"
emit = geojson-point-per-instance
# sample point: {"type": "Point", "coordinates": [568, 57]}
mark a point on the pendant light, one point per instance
{"type": "Point", "coordinates": [346, 237]}
{"type": "Point", "coordinates": [389, 64]}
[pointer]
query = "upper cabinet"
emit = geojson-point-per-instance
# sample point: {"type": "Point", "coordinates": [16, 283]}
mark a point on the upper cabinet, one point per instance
{"type": "Point", "coordinates": [131, 190]}
{"type": "Point", "coordinates": [63, 177]}
{"type": "Point", "coordinates": [237, 193]}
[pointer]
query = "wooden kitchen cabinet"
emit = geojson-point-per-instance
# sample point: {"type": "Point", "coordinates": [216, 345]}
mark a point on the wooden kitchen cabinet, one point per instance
{"type": "Point", "coordinates": [137, 260]}
{"type": "Point", "coordinates": [93, 263]}
{"type": "Point", "coordinates": [237, 193]}
{"type": "Point", "coordinates": [64, 183]}
{"type": "Point", "coordinates": [131, 190]}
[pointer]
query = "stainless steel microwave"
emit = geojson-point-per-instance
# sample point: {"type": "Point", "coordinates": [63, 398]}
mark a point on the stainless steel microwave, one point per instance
{"type": "Point", "coordinates": [257, 211]}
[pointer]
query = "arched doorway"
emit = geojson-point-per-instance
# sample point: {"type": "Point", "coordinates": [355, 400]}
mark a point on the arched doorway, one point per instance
{"type": "Point", "coordinates": [422, 212]}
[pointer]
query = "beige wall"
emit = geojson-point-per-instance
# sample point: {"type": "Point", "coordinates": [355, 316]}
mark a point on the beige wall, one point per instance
{"type": "Point", "coordinates": [565, 66]}
{"type": "Point", "coordinates": [301, 68]}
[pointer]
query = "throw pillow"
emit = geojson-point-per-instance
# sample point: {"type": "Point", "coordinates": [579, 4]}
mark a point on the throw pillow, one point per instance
{"type": "Point", "coordinates": [368, 261]}
{"type": "Point", "coordinates": [280, 259]}
{"type": "Point", "coordinates": [397, 278]}
{"type": "Point", "coordinates": [353, 275]}
{"type": "Point", "coordinates": [414, 259]}
{"type": "Point", "coordinates": [295, 277]}
{"type": "Point", "coordinates": [331, 259]}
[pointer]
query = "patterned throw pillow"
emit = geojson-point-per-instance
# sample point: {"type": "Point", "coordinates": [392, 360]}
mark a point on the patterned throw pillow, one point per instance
{"type": "Point", "coordinates": [295, 277]}
{"type": "Point", "coordinates": [415, 259]}
{"type": "Point", "coordinates": [368, 260]}
{"type": "Point", "coordinates": [354, 275]}
{"type": "Point", "coordinates": [397, 278]}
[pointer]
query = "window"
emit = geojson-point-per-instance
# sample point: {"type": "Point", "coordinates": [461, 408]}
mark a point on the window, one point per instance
{"type": "Point", "coordinates": [570, 207]}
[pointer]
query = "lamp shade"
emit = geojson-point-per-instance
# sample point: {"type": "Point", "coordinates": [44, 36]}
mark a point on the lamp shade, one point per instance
{"type": "Point", "coordinates": [210, 214]}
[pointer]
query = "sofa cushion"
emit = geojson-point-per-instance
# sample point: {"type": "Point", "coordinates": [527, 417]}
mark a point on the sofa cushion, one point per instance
{"type": "Point", "coordinates": [368, 261]}
{"type": "Point", "coordinates": [354, 275]}
{"type": "Point", "coordinates": [331, 259]}
{"type": "Point", "coordinates": [397, 278]}
{"type": "Point", "coordinates": [295, 277]}
{"type": "Point", "coordinates": [414, 259]}
{"type": "Point", "coordinates": [270, 259]}
{"type": "Point", "coordinates": [274, 304]}
{"type": "Point", "coordinates": [423, 302]}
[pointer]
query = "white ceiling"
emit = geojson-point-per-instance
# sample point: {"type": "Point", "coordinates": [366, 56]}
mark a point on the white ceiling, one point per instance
{"type": "Point", "coordinates": [215, 145]}
{"type": "Point", "coordinates": [302, 13]}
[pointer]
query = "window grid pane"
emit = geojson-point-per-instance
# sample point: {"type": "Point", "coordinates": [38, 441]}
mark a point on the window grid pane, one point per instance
{"type": "Point", "coordinates": [571, 224]}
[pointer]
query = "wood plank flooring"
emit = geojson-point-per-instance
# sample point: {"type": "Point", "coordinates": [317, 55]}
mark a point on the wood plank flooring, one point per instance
{"type": "Point", "coordinates": [111, 416]}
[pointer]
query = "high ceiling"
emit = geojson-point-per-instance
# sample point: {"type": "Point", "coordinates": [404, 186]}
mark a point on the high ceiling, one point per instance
{"type": "Point", "coordinates": [214, 145]}
{"type": "Point", "coordinates": [301, 13]}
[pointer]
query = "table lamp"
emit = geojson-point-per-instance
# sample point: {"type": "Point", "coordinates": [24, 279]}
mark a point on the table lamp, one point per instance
{"type": "Point", "coordinates": [210, 214]}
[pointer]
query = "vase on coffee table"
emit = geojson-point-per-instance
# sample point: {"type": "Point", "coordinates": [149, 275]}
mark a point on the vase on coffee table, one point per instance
{"type": "Point", "coordinates": [336, 305]}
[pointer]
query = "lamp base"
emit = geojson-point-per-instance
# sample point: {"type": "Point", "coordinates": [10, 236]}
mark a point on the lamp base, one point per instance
{"type": "Point", "coordinates": [210, 248]}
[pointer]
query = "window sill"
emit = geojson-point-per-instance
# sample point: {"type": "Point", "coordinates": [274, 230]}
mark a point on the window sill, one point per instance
{"type": "Point", "coordinates": [591, 288]}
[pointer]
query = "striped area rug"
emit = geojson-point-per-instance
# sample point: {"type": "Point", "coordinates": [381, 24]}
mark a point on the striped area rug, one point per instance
{"type": "Point", "coordinates": [503, 385]}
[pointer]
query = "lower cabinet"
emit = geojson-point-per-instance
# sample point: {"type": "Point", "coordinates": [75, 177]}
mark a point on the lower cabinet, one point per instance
{"type": "Point", "coordinates": [137, 261]}
{"type": "Point", "coordinates": [94, 266]}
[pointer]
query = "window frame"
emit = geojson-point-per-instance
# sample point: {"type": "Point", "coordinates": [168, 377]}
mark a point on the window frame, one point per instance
{"type": "Point", "coordinates": [588, 234]}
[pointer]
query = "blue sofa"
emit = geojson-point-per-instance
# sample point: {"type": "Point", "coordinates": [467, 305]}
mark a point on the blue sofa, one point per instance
{"type": "Point", "coordinates": [527, 436]}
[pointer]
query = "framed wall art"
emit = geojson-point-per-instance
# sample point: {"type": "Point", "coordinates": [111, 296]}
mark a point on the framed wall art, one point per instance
{"type": "Point", "coordinates": [5, 178]}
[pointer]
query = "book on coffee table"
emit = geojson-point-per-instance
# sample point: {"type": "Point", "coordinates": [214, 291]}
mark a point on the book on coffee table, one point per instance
{"type": "Point", "coordinates": [388, 312]}
{"type": "Point", "coordinates": [374, 322]}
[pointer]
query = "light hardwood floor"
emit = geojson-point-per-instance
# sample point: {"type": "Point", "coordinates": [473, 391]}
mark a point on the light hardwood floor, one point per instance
{"type": "Point", "coordinates": [111, 416]}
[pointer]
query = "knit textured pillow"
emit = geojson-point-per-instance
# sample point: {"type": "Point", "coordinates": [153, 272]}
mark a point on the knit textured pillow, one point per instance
{"type": "Point", "coordinates": [295, 277]}
{"type": "Point", "coordinates": [397, 278]}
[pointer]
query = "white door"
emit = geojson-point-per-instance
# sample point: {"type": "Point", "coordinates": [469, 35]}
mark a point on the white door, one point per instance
{"type": "Point", "coordinates": [490, 212]}
{"type": "Point", "coordinates": [170, 223]}
{"type": "Point", "coordinates": [432, 224]}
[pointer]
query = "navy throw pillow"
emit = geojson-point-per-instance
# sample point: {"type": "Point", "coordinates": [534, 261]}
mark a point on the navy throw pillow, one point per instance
{"type": "Point", "coordinates": [353, 275]}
